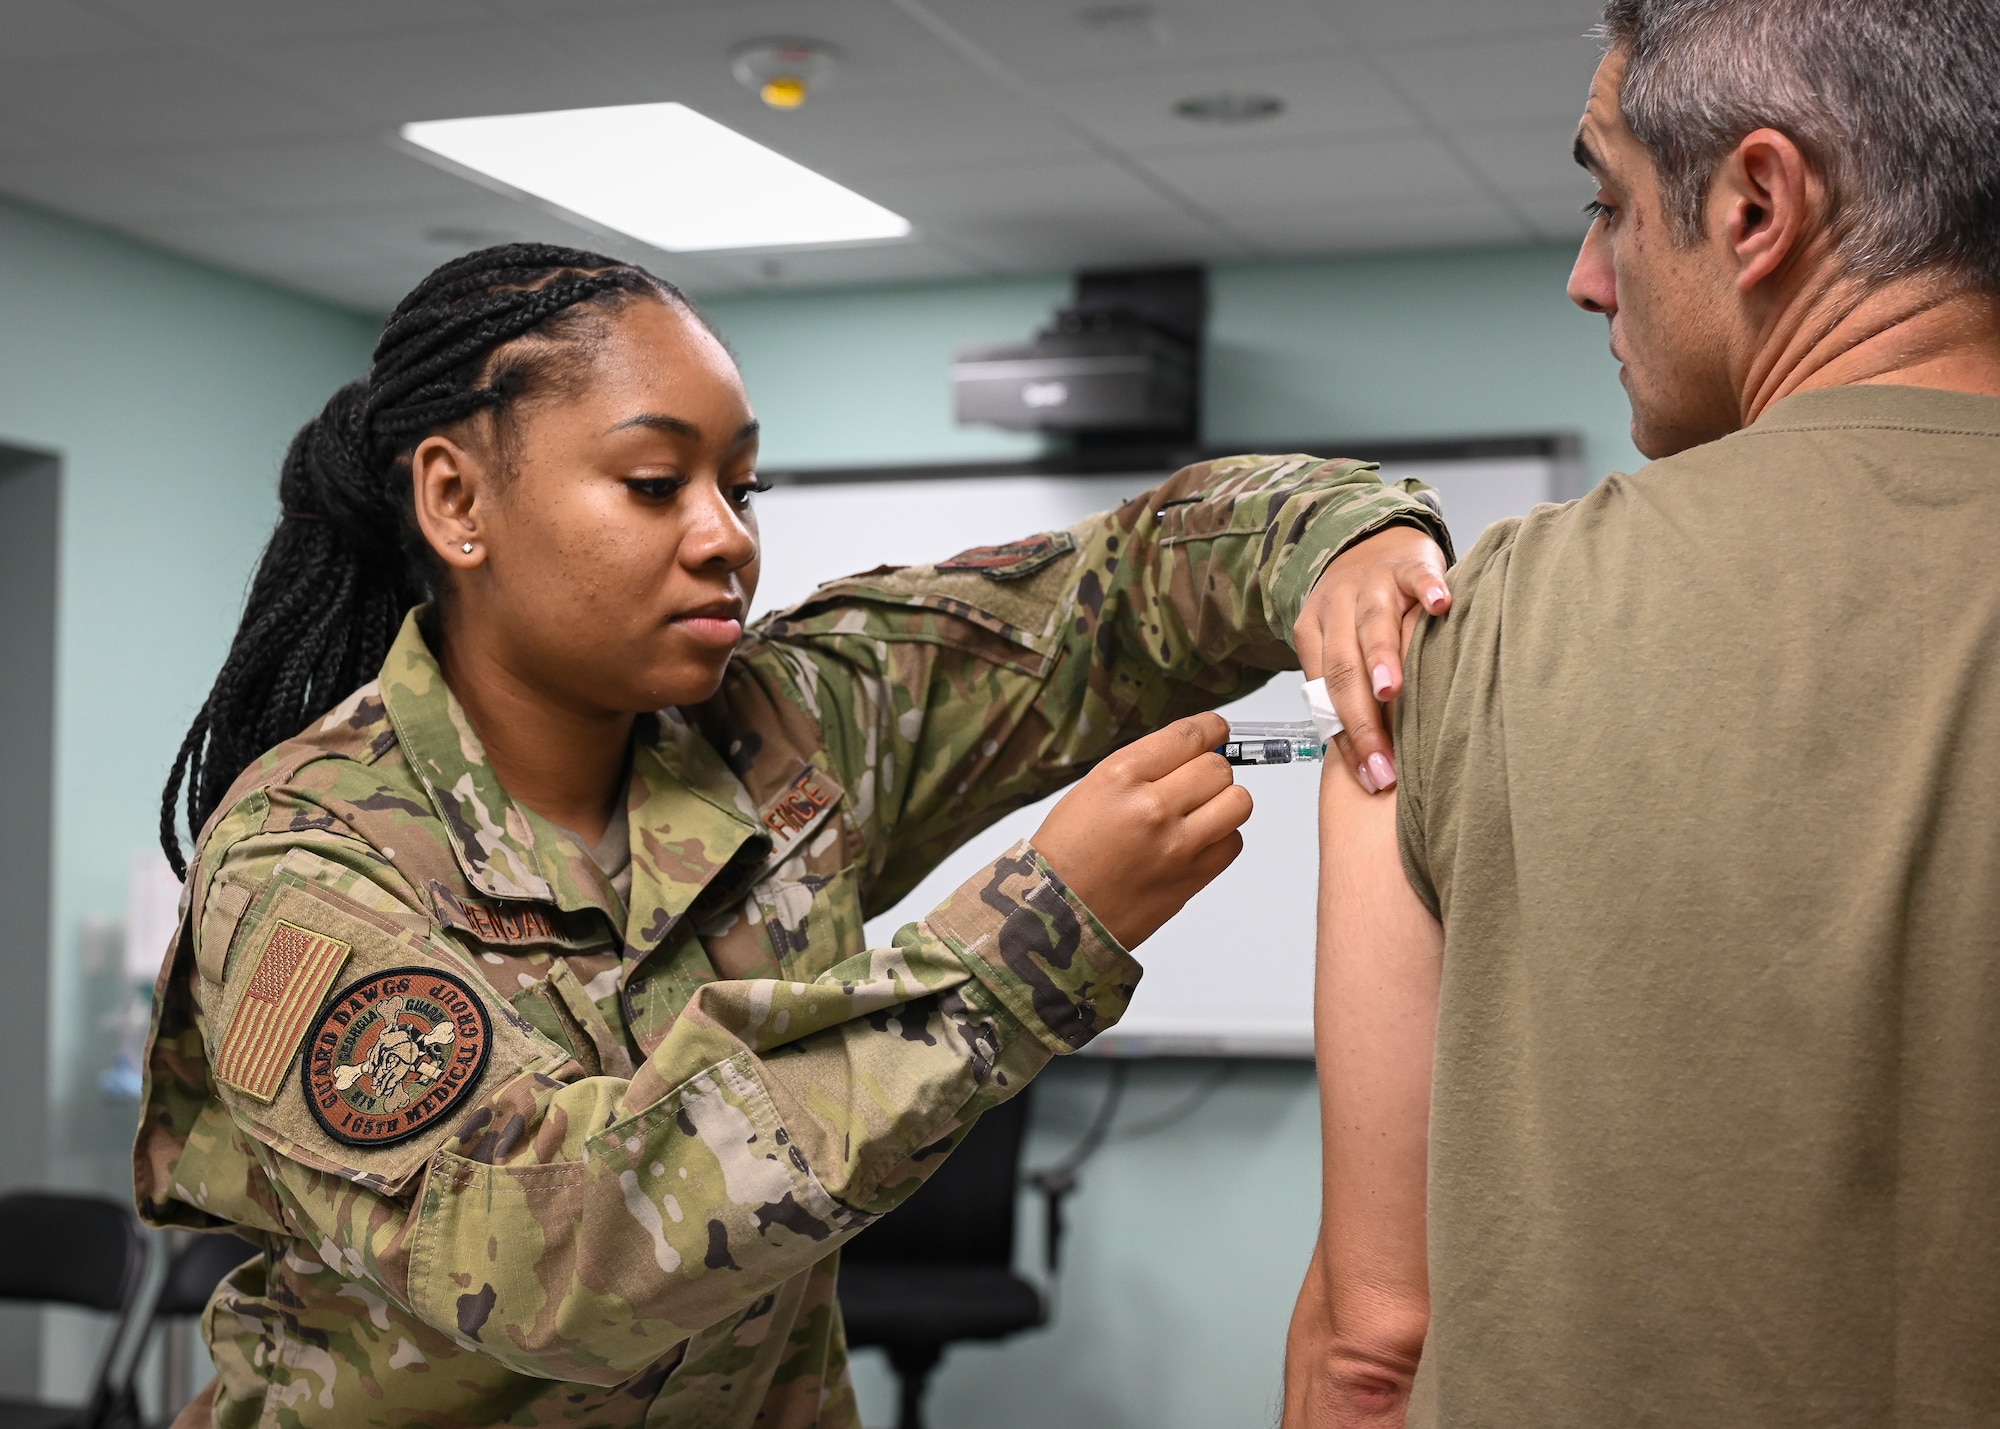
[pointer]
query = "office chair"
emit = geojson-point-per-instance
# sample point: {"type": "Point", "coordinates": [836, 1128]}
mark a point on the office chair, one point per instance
{"type": "Point", "coordinates": [86, 1251]}
{"type": "Point", "coordinates": [939, 1268]}
{"type": "Point", "coordinates": [197, 1266]}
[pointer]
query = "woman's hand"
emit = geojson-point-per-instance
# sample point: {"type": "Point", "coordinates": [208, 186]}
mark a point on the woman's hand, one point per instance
{"type": "Point", "coordinates": [1353, 631]}
{"type": "Point", "coordinates": [1148, 828]}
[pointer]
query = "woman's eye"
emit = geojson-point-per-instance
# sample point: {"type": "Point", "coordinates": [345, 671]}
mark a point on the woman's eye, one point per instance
{"type": "Point", "coordinates": [655, 488]}
{"type": "Point", "coordinates": [740, 494]}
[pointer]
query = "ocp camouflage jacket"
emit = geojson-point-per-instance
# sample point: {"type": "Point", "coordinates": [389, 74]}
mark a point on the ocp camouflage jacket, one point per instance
{"type": "Point", "coordinates": [520, 1149]}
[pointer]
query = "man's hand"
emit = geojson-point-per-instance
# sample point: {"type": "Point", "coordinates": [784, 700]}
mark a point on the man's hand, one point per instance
{"type": "Point", "coordinates": [1353, 631]}
{"type": "Point", "coordinates": [1148, 828]}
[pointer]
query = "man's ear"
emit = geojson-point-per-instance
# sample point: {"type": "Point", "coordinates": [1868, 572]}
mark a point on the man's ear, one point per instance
{"type": "Point", "coordinates": [1767, 203]}
{"type": "Point", "coordinates": [451, 488]}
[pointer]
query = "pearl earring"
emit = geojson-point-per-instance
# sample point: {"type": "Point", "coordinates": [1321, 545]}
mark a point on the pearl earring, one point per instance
{"type": "Point", "coordinates": [467, 548]}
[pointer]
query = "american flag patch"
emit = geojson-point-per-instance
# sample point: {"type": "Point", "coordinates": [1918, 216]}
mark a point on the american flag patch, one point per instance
{"type": "Point", "coordinates": [292, 975]}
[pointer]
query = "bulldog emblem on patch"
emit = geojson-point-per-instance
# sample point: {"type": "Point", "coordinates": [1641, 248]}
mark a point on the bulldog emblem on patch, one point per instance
{"type": "Point", "coordinates": [392, 1053]}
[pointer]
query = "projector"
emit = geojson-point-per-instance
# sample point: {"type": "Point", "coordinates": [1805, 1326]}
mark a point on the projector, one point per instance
{"type": "Point", "coordinates": [1088, 372]}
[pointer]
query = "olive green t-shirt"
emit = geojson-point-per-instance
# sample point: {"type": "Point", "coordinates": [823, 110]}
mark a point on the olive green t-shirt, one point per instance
{"type": "Point", "coordinates": [1702, 774]}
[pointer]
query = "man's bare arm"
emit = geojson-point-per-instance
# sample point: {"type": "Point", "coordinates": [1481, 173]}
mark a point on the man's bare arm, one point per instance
{"type": "Point", "coordinates": [1359, 1327]}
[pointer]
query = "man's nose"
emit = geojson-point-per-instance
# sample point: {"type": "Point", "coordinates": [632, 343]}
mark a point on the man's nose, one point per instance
{"type": "Point", "coordinates": [1593, 284]}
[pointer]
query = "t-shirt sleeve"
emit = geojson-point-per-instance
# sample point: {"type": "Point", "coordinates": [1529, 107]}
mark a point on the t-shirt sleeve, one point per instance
{"type": "Point", "coordinates": [1448, 682]}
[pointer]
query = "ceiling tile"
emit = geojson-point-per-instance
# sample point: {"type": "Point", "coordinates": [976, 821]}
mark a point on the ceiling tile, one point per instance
{"type": "Point", "coordinates": [857, 137]}
{"type": "Point", "coordinates": [1050, 37]}
{"type": "Point", "coordinates": [58, 30]}
{"type": "Point", "coordinates": [442, 74]}
{"type": "Point", "coordinates": [1048, 202]}
{"type": "Point", "coordinates": [230, 22]}
{"type": "Point", "coordinates": [255, 243]}
{"type": "Point", "coordinates": [822, 267]}
{"type": "Point", "coordinates": [259, 135]}
{"type": "Point", "coordinates": [315, 174]}
{"type": "Point", "coordinates": [1329, 97]}
{"type": "Point", "coordinates": [155, 100]}
{"type": "Point", "coordinates": [104, 190]}
{"type": "Point", "coordinates": [1081, 214]}
{"type": "Point", "coordinates": [1389, 22]}
{"type": "Point", "coordinates": [1556, 213]}
{"type": "Point", "coordinates": [1304, 228]}
{"type": "Point", "coordinates": [467, 220]}
{"type": "Point", "coordinates": [1539, 80]}
{"type": "Point", "coordinates": [1535, 157]}
{"type": "Point", "coordinates": [878, 48]}
{"type": "Point", "coordinates": [1355, 171]}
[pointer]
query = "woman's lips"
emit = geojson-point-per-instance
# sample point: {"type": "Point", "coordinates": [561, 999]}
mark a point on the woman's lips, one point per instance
{"type": "Point", "coordinates": [721, 631]}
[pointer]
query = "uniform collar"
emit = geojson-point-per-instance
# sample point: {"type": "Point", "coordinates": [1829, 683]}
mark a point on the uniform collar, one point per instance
{"type": "Point", "coordinates": [689, 816]}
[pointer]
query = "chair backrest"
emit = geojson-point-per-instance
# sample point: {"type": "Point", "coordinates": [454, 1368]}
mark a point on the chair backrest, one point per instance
{"type": "Point", "coordinates": [196, 1269]}
{"type": "Point", "coordinates": [69, 1250]}
{"type": "Point", "coordinates": [965, 1212]}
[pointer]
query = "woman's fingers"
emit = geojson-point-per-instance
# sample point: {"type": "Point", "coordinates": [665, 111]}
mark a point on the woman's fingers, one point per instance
{"type": "Point", "coordinates": [1187, 788]}
{"type": "Point", "coordinates": [1353, 634]}
{"type": "Point", "coordinates": [1165, 751]}
{"type": "Point", "coordinates": [1216, 821]}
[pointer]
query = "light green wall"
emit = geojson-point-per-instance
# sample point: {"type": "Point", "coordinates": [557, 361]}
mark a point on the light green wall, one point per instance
{"type": "Point", "coordinates": [1187, 1246]}
{"type": "Point", "coordinates": [1433, 345]}
{"type": "Point", "coordinates": [168, 391]}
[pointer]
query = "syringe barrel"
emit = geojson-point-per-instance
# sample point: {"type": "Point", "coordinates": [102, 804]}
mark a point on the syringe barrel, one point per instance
{"type": "Point", "coordinates": [1264, 743]}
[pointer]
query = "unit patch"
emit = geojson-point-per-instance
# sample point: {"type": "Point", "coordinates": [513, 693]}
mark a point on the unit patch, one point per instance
{"type": "Point", "coordinates": [393, 1053]}
{"type": "Point", "coordinates": [293, 971]}
{"type": "Point", "coordinates": [1013, 560]}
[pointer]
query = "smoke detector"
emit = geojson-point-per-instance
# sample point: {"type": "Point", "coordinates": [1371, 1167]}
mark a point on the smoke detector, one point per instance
{"type": "Point", "coordinates": [783, 73]}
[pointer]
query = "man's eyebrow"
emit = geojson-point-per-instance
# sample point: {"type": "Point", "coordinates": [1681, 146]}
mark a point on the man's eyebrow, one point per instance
{"type": "Point", "coordinates": [1585, 155]}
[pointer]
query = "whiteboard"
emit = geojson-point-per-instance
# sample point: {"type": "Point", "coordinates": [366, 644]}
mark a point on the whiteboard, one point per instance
{"type": "Point", "coordinates": [1232, 974]}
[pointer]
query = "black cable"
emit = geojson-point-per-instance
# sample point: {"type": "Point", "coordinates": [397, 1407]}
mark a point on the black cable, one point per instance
{"type": "Point", "coordinates": [1093, 1139]}
{"type": "Point", "coordinates": [1058, 1181]}
{"type": "Point", "coordinates": [1186, 1107]}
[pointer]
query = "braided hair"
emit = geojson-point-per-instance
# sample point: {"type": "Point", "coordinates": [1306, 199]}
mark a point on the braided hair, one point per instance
{"type": "Point", "coordinates": [347, 560]}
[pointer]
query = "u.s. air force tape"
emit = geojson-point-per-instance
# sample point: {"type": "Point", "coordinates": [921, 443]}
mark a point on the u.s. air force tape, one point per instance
{"type": "Point", "coordinates": [393, 1053]}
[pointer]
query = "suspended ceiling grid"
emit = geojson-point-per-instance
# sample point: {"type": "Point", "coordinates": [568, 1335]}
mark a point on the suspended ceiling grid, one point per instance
{"type": "Point", "coordinates": [1018, 136]}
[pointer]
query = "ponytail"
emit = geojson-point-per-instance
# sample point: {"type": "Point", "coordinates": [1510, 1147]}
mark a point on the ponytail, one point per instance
{"type": "Point", "coordinates": [347, 561]}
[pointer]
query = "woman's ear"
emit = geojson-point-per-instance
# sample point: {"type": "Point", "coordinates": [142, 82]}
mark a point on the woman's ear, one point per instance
{"type": "Point", "coordinates": [451, 488]}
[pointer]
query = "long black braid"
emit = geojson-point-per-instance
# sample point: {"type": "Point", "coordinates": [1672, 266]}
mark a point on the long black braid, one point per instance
{"type": "Point", "coordinates": [347, 561]}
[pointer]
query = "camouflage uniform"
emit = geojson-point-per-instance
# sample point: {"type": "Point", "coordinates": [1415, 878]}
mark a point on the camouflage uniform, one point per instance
{"type": "Point", "coordinates": [689, 1093]}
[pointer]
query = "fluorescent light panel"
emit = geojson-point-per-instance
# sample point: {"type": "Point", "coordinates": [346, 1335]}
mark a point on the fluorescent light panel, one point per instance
{"type": "Point", "coordinates": [662, 173]}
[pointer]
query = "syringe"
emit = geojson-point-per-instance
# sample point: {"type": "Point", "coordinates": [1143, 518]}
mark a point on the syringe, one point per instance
{"type": "Point", "coordinates": [1252, 743]}
{"type": "Point", "coordinates": [1256, 743]}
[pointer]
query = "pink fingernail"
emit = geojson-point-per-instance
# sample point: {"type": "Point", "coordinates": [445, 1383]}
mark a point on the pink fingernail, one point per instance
{"type": "Point", "coordinates": [1361, 774]}
{"type": "Point", "coordinates": [1383, 771]}
{"type": "Point", "coordinates": [1380, 676]}
{"type": "Point", "coordinates": [1437, 593]}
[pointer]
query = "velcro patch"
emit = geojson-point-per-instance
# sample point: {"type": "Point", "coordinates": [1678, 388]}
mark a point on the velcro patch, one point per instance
{"type": "Point", "coordinates": [514, 923]}
{"type": "Point", "coordinates": [293, 971]}
{"type": "Point", "coordinates": [393, 1053]}
{"type": "Point", "coordinates": [1013, 560]}
{"type": "Point", "coordinates": [798, 810]}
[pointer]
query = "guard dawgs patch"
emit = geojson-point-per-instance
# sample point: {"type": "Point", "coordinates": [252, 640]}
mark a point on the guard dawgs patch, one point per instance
{"type": "Point", "coordinates": [393, 1053]}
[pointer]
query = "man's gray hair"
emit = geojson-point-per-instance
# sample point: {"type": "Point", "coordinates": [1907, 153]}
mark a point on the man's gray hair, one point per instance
{"type": "Point", "coordinates": [1896, 104]}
